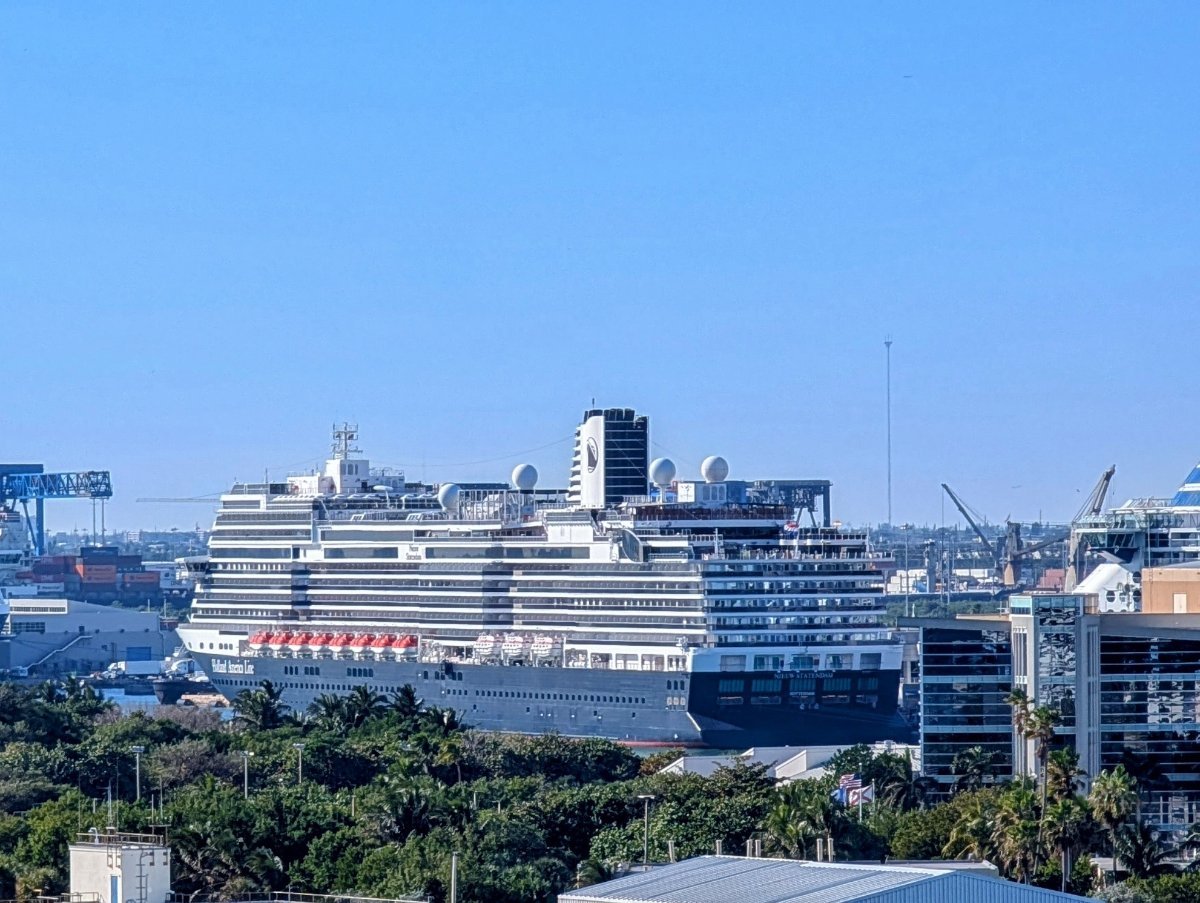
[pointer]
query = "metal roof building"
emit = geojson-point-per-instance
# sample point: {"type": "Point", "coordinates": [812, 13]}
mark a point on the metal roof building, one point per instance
{"type": "Point", "coordinates": [730, 879]}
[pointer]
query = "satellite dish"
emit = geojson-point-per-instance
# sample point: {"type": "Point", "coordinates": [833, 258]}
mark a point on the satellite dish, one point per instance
{"type": "Point", "coordinates": [714, 469]}
{"type": "Point", "coordinates": [524, 477]}
{"type": "Point", "coordinates": [662, 472]}
{"type": "Point", "coordinates": [448, 496]}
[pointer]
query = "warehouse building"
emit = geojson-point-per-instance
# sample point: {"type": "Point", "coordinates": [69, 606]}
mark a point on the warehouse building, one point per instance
{"type": "Point", "coordinates": [730, 879]}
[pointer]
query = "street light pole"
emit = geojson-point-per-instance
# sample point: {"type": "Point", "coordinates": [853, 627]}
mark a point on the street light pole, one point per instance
{"type": "Point", "coordinates": [246, 754]}
{"type": "Point", "coordinates": [299, 747]}
{"type": "Point", "coordinates": [137, 758]}
{"type": "Point", "coordinates": [646, 798]}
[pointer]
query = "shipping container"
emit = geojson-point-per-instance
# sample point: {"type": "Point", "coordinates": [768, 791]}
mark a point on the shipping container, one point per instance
{"type": "Point", "coordinates": [141, 578]}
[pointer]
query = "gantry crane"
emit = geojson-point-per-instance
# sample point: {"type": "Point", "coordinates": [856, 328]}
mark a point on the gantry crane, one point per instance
{"type": "Point", "coordinates": [25, 483]}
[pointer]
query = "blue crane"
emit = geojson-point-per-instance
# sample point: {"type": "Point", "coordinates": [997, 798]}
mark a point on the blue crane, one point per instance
{"type": "Point", "coordinates": [25, 483]}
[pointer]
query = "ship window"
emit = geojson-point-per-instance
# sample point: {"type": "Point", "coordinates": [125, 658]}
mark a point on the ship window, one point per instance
{"type": "Point", "coordinates": [733, 663]}
{"type": "Point", "coordinates": [730, 686]}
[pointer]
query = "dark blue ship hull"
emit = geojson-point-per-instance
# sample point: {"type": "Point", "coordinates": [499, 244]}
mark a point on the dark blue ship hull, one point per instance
{"type": "Point", "coordinates": [721, 710]}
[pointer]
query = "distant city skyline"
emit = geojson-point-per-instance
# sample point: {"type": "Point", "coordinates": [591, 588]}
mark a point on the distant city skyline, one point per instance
{"type": "Point", "coordinates": [457, 225]}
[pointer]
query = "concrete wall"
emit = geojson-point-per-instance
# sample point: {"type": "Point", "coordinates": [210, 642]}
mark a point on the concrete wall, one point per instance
{"type": "Point", "coordinates": [1171, 590]}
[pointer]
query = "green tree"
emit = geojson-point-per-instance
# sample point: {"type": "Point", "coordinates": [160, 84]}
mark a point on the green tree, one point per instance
{"type": "Point", "coordinates": [1141, 850]}
{"type": "Point", "coordinates": [262, 709]}
{"type": "Point", "coordinates": [1113, 799]}
{"type": "Point", "coordinates": [973, 767]}
{"type": "Point", "coordinates": [1068, 826]}
{"type": "Point", "coordinates": [363, 704]}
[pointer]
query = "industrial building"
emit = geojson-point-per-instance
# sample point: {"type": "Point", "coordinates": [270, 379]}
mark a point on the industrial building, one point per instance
{"type": "Point", "coordinates": [49, 637]}
{"type": "Point", "coordinates": [1127, 686]}
{"type": "Point", "coordinates": [722, 879]}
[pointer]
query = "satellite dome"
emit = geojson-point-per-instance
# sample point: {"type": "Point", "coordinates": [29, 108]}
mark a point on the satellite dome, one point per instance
{"type": "Point", "coordinates": [662, 471]}
{"type": "Point", "coordinates": [448, 496]}
{"type": "Point", "coordinates": [714, 469]}
{"type": "Point", "coordinates": [524, 477]}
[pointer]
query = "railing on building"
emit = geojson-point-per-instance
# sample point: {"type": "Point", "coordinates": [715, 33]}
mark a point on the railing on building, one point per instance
{"type": "Point", "coordinates": [287, 896]}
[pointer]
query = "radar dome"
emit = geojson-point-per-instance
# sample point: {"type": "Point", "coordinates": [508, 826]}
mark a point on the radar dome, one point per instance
{"type": "Point", "coordinates": [524, 477]}
{"type": "Point", "coordinates": [448, 496]}
{"type": "Point", "coordinates": [714, 469]}
{"type": "Point", "coordinates": [662, 471]}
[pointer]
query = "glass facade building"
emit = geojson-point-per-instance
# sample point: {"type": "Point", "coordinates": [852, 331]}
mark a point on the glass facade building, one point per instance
{"type": "Point", "coordinates": [966, 675]}
{"type": "Point", "coordinates": [1127, 687]}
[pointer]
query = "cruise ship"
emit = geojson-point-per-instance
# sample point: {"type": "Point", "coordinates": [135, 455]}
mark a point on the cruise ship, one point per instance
{"type": "Point", "coordinates": [632, 606]}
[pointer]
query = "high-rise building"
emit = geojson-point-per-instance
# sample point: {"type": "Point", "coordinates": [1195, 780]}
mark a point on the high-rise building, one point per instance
{"type": "Point", "coordinates": [1126, 687]}
{"type": "Point", "coordinates": [612, 458]}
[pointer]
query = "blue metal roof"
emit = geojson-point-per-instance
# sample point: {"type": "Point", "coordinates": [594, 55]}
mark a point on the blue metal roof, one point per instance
{"type": "Point", "coordinates": [731, 879]}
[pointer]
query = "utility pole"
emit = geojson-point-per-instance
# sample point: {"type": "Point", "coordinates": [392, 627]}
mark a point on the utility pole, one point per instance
{"type": "Point", "coordinates": [454, 878]}
{"type": "Point", "coordinates": [246, 754]}
{"type": "Point", "coordinates": [646, 798]}
{"type": "Point", "coordinates": [137, 758]}
{"type": "Point", "coordinates": [887, 343]}
{"type": "Point", "coordinates": [299, 747]}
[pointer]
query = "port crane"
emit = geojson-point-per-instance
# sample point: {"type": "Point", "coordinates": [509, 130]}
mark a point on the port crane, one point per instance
{"type": "Point", "coordinates": [25, 483]}
{"type": "Point", "coordinates": [1007, 560]}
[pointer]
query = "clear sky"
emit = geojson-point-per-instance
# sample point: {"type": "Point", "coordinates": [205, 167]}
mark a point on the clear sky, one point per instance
{"type": "Point", "coordinates": [225, 226]}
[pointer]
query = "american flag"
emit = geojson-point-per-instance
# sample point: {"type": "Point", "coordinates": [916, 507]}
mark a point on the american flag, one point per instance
{"type": "Point", "coordinates": [850, 782]}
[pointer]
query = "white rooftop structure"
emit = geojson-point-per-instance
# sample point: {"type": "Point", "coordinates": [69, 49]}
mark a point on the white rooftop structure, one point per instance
{"type": "Point", "coordinates": [730, 879]}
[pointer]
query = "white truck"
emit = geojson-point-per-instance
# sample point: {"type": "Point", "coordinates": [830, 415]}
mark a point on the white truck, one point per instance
{"type": "Point", "coordinates": [134, 669]}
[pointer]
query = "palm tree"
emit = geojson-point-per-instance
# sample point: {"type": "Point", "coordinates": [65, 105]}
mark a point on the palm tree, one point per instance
{"type": "Point", "coordinates": [973, 766]}
{"type": "Point", "coordinates": [1113, 799]}
{"type": "Point", "coordinates": [971, 836]}
{"type": "Point", "coordinates": [1068, 824]}
{"type": "Point", "coordinates": [1017, 832]}
{"type": "Point", "coordinates": [1019, 700]}
{"type": "Point", "coordinates": [406, 703]}
{"type": "Point", "coordinates": [328, 712]}
{"type": "Point", "coordinates": [363, 705]}
{"type": "Point", "coordinates": [1040, 729]}
{"type": "Point", "coordinates": [406, 809]}
{"type": "Point", "coordinates": [1141, 849]}
{"type": "Point", "coordinates": [263, 709]}
{"type": "Point", "coordinates": [1063, 773]}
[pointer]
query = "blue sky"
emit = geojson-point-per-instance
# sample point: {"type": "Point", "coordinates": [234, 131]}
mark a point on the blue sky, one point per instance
{"type": "Point", "coordinates": [223, 227]}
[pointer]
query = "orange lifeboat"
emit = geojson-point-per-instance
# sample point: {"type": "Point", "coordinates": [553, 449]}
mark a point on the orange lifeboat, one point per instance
{"type": "Point", "coordinates": [321, 640]}
{"type": "Point", "coordinates": [406, 642]}
{"type": "Point", "coordinates": [279, 640]}
{"type": "Point", "coordinates": [362, 641]}
{"type": "Point", "coordinates": [300, 640]}
{"type": "Point", "coordinates": [342, 639]}
{"type": "Point", "coordinates": [383, 641]}
{"type": "Point", "coordinates": [258, 639]}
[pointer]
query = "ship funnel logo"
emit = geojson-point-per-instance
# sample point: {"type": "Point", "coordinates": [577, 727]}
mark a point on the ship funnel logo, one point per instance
{"type": "Point", "coordinates": [593, 455]}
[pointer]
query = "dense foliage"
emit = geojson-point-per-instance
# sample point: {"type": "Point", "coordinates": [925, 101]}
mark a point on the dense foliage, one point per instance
{"type": "Point", "coordinates": [371, 795]}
